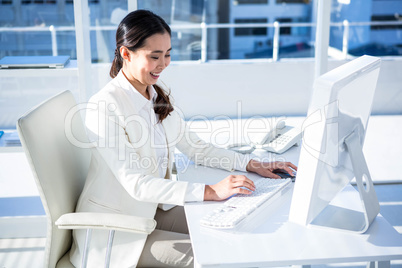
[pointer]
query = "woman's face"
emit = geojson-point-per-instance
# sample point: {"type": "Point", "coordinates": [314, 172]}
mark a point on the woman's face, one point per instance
{"type": "Point", "coordinates": [144, 66]}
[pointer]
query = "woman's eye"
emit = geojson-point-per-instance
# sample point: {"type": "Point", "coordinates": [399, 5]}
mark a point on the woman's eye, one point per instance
{"type": "Point", "coordinates": [155, 58]}
{"type": "Point", "coordinates": [167, 56]}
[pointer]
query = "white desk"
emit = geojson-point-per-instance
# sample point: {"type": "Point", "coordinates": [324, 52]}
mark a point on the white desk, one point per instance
{"type": "Point", "coordinates": [269, 240]}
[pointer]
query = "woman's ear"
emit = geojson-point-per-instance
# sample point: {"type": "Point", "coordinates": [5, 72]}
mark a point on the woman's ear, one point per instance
{"type": "Point", "coordinates": [124, 52]}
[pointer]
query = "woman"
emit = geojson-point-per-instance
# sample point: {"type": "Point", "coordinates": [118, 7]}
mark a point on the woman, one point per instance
{"type": "Point", "coordinates": [137, 130]}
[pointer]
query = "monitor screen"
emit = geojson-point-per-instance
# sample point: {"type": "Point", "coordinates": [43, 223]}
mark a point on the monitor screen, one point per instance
{"type": "Point", "coordinates": [340, 106]}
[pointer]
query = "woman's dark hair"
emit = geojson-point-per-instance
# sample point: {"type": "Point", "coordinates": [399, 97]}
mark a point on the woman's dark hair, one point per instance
{"type": "Point", "coordinates": [132, 32]}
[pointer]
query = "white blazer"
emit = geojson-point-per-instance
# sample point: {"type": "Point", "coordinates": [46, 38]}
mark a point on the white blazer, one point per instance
{"type": "Point", "coordinates": [123, 174]}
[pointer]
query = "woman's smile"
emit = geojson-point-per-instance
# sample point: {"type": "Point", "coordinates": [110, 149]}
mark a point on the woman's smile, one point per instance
{"type": "Point", "coordinates": [155, 75]}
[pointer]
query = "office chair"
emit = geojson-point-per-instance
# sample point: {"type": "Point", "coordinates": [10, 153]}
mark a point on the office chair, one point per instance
{"type": "Point", "coordinates": [60, 169]}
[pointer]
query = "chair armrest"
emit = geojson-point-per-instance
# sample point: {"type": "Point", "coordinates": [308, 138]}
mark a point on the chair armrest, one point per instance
{"type": "Point", "coordinates": [106, 221]}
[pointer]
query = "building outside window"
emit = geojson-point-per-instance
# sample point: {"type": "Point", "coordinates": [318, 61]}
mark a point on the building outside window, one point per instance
{"type": "Point", "coordinates": [381, 38]}
{"type": "Point", "coordinates": [46, 27]}
{"type": "Point", "coordinates": [250, 2]}
{"type": "Point", "coordinates": [252, 31]}
{"type": "Point", "coordinates": [293, 1]}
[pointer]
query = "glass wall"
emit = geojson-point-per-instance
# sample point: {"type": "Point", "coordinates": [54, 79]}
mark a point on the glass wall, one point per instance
{"type": "Point", "coordinates": [207, 29]}
{"type": "Point", "coordinates": [37, 27]}
{"type": "Point", "coordinates": [47, 27]}
{"type": "Point", "coordinates": [34, 28]}
{"type": "Point", "coordinates": [185, 18]}
{"type": "Point", "coordinates": [104, 19]}
{"type": "Point", "coordinates": [375, 30]}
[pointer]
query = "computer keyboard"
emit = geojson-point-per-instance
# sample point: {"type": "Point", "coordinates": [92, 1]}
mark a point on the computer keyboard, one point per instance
{"type": "Point", "coordinates": [237, 208]}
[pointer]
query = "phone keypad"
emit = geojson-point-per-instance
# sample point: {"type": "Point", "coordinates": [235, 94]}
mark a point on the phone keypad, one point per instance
{"type": "Point", "coordinates": [281, 139]}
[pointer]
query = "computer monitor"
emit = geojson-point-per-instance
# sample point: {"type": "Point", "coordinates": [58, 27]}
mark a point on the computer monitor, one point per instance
{"type": "Point", "coordinates": [331, 153]}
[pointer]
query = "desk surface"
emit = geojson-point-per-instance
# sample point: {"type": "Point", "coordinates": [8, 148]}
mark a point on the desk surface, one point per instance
{"type": "Point", "coordinates": [382, 146]}
{"type": "Point", "coordinates": [270, 240]}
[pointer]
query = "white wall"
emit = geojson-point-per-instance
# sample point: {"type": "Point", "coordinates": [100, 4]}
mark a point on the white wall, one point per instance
{"type": "Point", "coordinates": [258, 88]}
{"type": "Point", "coordinates": [264, 88]}
{"type": "Point", "coordinates": [210, 89]}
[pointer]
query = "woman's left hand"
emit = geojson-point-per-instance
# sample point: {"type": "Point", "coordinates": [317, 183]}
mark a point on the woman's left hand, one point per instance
{"type": "Point", "coordinates": [267, 169]}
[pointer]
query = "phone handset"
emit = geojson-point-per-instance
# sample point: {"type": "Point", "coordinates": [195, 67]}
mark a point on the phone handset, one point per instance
{"type": "Point", "coordinates": [281, 138]}
{"type": "Point", "coordinates": [278, 140]}
{"type": "Point", "coordinates": [273, 133]}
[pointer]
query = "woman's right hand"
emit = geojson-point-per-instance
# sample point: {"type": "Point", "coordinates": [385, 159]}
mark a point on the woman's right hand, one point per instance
{"type": "Point", "coordinates": [233, 184]}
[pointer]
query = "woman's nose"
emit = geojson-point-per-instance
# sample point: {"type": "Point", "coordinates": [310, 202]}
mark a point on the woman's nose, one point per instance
{"type": "Point", "coordinates": [163, 63]}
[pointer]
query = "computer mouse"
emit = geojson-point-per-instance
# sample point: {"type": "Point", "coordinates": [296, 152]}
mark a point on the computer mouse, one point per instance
{"type": "Point", "coordinates": [286, 175]}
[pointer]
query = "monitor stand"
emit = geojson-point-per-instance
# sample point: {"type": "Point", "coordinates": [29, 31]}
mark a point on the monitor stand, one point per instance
{"type": "Point", "coordinates": [347, 219]}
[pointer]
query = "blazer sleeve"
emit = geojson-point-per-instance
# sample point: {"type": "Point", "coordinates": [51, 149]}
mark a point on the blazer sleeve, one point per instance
{"type": "Point", "coordinates": [133, 165]}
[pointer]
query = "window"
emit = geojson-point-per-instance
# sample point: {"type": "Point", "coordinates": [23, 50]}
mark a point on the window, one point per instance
{"type": "Point", "coordinates": [89, 1]}
{"type": "Point", "coordinates": [285, 30]}
{"type": "Point", "coordinates": [23, 89]}
{"type": "Point", "coordinates": [293, 1]}
{"type": "Point", "coordinates": [36, 37]}
{"type": "Point", "coordinates": [380, 38]}
{"type": "Point", "coordinates": [104, 19]}
{"type": "Point", "coordinates": [395, 17]}
{"type": "Point", "coordinates": [252, 31]}
{"type": "Point", "coordinates": [197, 7]}
{"type": "Point", "coordinates": [27, 2]}
{"type": "Point", "coordinates": [250, 2]}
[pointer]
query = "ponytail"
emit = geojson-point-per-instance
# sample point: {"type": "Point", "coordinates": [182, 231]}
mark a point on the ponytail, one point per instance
{"type": "Point", "coordinates": [163, 107]}
{"type": "Point", "coordinates": [117, 63]}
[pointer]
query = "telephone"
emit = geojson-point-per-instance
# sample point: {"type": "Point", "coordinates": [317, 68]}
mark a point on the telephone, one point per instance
{"type": "Point", "coordinates": [277, 140]}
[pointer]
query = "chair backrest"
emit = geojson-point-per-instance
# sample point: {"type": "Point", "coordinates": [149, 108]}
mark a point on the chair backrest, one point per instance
{"type": "Point", "coordinates": [59, 167]}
